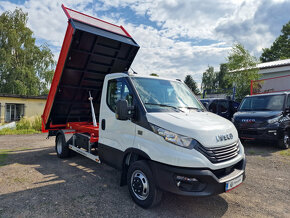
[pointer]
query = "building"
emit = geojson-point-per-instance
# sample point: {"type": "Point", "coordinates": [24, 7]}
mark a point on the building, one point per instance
{"type": "Point", "coordinates": [274, 77]}
{"type": "Point", "coordinates": [14, 107]}
{"type": "Point", "coordinates": [274, 69]}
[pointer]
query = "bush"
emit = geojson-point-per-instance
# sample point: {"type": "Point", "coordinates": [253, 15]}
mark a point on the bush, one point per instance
{"type": "Point", "coordinates": [23, 124]}
{"type": "Point", "coordinates": [36, 124]}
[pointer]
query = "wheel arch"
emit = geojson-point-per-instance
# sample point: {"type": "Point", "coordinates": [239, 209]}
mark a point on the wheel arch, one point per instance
{"type": "Point", "coordinates": [131, 155]}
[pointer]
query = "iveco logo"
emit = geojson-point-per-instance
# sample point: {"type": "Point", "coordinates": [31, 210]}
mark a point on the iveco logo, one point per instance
{"type": "Point", "coordinates": [220, 138]}
{"type": "Point", "coordinates": [248, 120]}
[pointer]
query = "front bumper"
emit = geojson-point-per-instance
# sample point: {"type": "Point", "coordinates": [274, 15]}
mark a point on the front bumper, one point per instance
{"type": "Point", "coordinates": [263, 133]}
{"type": "Point", "coordinates": [208, 182]}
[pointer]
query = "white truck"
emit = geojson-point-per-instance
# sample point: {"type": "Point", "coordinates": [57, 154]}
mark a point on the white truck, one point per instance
{"type": "Point", "coordinates": [152, 129]}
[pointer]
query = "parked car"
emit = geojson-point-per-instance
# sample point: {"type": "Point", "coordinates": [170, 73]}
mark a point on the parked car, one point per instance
{"type": "Point", "coordinates": [223, 107]}
{"type": "Point", "coordinates": [265, 117]}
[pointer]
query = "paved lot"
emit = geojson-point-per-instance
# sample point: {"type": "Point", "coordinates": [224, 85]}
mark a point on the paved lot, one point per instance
{"type": "Point", "coordinates": [35, 183]}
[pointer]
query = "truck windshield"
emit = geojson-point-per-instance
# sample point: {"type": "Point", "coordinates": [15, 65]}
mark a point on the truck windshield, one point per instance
{"type": "Point", "coordinates": [164, 95]}
{"type": "Point", "coordinates": [263, 103]}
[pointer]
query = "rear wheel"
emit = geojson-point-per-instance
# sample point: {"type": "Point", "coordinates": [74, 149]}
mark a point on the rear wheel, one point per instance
{"type": "Point", "coordinates": [141, 185]}
{"type": "Point", "coordinates": [285, 141]}
{"type": "Point", "coordinates": [61, 147]}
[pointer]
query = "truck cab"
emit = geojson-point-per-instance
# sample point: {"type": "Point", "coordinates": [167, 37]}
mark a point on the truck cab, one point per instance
{"type": "Point", "coordinates": [190, 151]}
{"type": "Point", "coordinates": [154, 130]}
{"type": "Point", "coordinates": [265, 117]}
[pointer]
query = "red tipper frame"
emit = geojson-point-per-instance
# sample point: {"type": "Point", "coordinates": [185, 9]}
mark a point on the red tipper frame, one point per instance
{"type": "Point", "coordinates": [85, 127]}
{"type": "Point", "coordinates": [84, 18]}
{"type": "Point", "coordinates": [57, 75]}
{"type": "Point", "coordinates": [76, 127]}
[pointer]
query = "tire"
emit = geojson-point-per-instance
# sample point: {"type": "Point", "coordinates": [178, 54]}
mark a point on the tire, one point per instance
{"type": "Point", "coordinates": [141, 185]}
{"type": "Point", "coordinates": [61, 147]}
{"type": "Point", "coordinates": [285, 141]}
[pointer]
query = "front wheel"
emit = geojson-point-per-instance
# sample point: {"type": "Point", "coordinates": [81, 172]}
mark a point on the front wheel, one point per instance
{"type": "Point", "coordinates": [141, 185]}
{"type": "Point", "coordinates": [285, 141]}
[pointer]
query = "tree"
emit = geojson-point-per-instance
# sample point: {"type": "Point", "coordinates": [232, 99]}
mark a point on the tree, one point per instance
{"type": "Point", "coordinates": [280, 48]}
{"type": "Point", "coordinates": [25, 68]}
{"type": "Point", "coordinates": [209, 79]}
{"type": "Point", "coordinates": [154, 74]}
{"type": "Point", "coordinates": [241, 70]}
{"type": "Point", "coordinates": [221, 78]}
{"type": "Point", "coordinates": [189, 81]}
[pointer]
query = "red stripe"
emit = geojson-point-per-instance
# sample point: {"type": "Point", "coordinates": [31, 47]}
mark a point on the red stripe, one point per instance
{"type": "Point", "coordinates": [234, 187]}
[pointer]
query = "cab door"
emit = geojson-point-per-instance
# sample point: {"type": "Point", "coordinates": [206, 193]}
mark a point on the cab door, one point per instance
{"type": "Point", "coordinates": [115, 136]}
{"type": "Point", "coordinates": [223, 108]}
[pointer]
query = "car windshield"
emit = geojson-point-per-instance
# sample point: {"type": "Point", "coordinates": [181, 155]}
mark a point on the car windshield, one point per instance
{"type": "Point", "coordinates": [263, 103]}
{"type": "Point", "coordinates": [160, 95]}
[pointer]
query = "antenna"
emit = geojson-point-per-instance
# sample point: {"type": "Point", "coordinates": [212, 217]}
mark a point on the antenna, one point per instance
{"type": "Point", "coordinates": [93, 110]}
{"type": "Point", "coordinates": [134, 72]}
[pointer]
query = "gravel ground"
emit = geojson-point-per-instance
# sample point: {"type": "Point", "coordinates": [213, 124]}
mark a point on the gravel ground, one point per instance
{"type": "Point", "coordinates": [35, 183]}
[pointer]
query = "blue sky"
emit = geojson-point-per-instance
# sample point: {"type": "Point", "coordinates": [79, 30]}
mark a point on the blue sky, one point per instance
{"type": "Point", "coordinates": [176, 37]}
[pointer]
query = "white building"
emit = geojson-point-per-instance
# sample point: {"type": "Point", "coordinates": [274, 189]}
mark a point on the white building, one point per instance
{"type": "Point", "coordinates": [274, 69]}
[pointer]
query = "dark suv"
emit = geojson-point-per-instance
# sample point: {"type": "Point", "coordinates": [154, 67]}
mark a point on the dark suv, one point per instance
{"type": "Point", "coordinates": [265, 117]}
{"type": "Point", "coordinates": [223, 107]}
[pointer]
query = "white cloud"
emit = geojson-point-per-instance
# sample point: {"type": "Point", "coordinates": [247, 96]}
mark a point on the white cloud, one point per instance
{"type": "Point", "coordinates": [188, 36]}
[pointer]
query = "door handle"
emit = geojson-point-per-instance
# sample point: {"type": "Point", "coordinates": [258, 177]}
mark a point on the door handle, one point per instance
{"type": "Point", "coordinates": [103, 124]}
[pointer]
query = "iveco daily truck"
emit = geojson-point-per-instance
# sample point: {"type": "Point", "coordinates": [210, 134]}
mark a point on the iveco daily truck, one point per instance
{"type": "Point", "coordinates": [265, 117]}
{"type": "Point", "coordinates": [153, 130]}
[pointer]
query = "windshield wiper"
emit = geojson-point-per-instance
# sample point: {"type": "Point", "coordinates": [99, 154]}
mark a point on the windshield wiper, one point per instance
{"type": "Point", "coordinates": [164, 105]}
{"type": "Point", "coordinates": [192, 108]}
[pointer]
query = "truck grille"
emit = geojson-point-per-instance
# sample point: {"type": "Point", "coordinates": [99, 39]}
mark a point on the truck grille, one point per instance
{"type": "Point", "coordinates": [220, 154]}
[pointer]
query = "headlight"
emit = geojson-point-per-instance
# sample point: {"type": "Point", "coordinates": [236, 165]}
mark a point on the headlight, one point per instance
{"type": "Point", "coordinates": [274, 120]}
{"type": "Point", "coordinates": [174, 138]}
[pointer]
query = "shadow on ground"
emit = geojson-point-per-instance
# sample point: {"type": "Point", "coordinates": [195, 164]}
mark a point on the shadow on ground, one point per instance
{"type": "Point", "coordinates": [80, 187]}
{"type": "Point", "coordinates": [261, 148]}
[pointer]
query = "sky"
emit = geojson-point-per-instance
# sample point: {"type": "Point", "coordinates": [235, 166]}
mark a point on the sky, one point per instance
{"type": "Point", "coordinates": [176, 37]}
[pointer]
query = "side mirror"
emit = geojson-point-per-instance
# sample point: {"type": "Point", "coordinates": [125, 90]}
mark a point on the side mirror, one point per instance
{"type": "Point", "coordinates": [287, 110]}
{"type": "Point", "coordinates": [123, 111]}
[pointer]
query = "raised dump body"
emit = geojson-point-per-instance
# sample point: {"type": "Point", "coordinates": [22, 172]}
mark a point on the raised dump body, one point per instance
{"type": "Point", "coordinates": [91, 49]}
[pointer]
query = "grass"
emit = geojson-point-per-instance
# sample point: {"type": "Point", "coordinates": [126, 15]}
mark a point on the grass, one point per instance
{"type": "Point", "coordinates": [285, 152]}
{"type": "Point", "coordinates": [8, 131]}
{"type": "Point", "coordinates": [3, 156]}
{"type": "Point", "coordinates": [24, 126]}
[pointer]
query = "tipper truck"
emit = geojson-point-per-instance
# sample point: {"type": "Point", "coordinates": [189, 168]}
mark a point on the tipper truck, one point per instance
{"type": "Point", "coordinates": [154, 130]}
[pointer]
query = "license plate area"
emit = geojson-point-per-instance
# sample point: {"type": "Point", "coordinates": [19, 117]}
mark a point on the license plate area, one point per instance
{"type": "Point", "coordinates": [234, 183]}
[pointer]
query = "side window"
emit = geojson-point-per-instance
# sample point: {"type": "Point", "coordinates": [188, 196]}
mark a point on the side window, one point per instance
{"type": "Point", "coordinates": [224, 105]}
{"type": "Point", "coordinates": [213, 107]}
{"type": "Point", "coordinates": [118, 89]}
{"type": "Point", "coordinates": [288, 102]}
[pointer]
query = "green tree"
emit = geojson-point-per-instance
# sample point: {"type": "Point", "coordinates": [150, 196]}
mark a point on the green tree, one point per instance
{"type": "Point", "coordinates": [25, 68]}
{"type": "Point", "coordinates": [209, 80]}
{"type": "Point", "coordinates": [154, 74]}
{"type": "Point", "coordinates": [189, 81]}
{"type": "Point", "coordinates": [280, 48]}
{"type": "Point", "coordinates": [221, 78]}
{"type": "Point", "coordinates": [241, 70]}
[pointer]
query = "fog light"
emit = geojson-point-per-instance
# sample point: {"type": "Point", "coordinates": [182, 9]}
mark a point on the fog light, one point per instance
{"type": "Point", "coordinates": [189, 184]}
{"type": "Point", "coordinates": [185, 179]}
{"type": "Point", "coordinates": [272, 132]}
